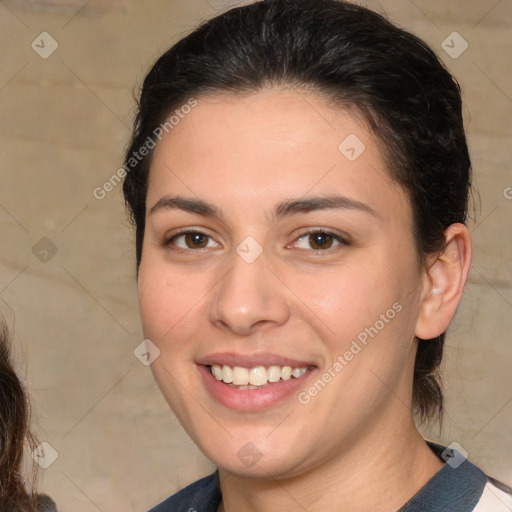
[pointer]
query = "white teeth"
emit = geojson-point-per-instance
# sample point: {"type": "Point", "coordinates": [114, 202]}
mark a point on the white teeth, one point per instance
{"type": "Point", "coordinates": [258, 376]}
{"type": "Point", "coordinates": [298, 372]}
{"type": "Point", "coordinates": [240, 376]}
{"type": "Point", "coordinates": [227, 374]}
{"type": "Point", "coordinates": [252, 378]}
{"type": "Point", "coordinates": [286, 372]}
{"type": "Point", "coordinates": [217, 371]}
{"type": "Point", "coordinates": [274, 374]}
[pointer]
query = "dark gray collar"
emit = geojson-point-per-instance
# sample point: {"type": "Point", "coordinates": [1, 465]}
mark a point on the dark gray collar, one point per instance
{"type": "Point", "coordinates": [449, 490]}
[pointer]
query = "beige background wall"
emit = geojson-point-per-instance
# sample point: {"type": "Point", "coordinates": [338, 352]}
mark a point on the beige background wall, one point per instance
{"type": "Point", "coordinates": [66, 261]}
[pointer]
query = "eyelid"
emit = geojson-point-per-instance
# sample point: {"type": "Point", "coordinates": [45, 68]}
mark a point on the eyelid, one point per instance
{"type": "Point", "coordinates": [168, 238]}
{"type": "Point", "coordinates": [342, 238]}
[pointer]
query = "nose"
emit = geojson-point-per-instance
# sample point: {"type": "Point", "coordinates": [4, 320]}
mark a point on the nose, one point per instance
{"type": "Point", "coordinates": [248, 298]}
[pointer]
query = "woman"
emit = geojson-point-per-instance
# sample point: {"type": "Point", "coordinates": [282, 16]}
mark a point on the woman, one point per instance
{"type": "Point", "coordinates": [14, 435]}
{"type": "Point", "coordinates": [299, 177]}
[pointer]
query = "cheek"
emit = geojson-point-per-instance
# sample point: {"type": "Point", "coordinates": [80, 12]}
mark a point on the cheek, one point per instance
{"type": "Point", "coordinates": [166, 299]}
{"type": "Point", "coordinates": [167, 304]}
{"type": "Point", "coordinates": [155, 303]}
{"type": "Point", "coordinates": [173, 304]}
{"type": "Point", "coordinates": [348, 299]}
{"type": "Point", "coordinates": [365, 314]}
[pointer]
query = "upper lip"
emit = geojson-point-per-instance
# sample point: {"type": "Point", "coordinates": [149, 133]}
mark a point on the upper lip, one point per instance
{"type": "Point", "coordinates": [251, 360]}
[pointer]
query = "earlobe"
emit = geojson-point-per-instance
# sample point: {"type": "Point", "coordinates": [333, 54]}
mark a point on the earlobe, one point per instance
{"type": "Point", "coordinates": [445, 278]}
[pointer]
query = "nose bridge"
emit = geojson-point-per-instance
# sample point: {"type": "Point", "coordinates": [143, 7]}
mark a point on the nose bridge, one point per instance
{"type": "Point", "coordinates": [249, 294]}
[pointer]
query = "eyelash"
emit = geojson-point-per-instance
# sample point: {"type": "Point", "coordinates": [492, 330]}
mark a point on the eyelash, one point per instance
{"type": "Point", "coordinates": [168, 241]}
{"type": "Point", "coordinates": [335, 236]}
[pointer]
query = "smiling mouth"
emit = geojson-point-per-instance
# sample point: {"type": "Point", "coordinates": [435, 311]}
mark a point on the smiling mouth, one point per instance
{"type": "Point", "coordinates": [258, 377]}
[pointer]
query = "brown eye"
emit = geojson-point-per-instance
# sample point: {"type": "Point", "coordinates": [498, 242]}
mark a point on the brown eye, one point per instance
{"type": "Point", "coordinates": [196, 240]}
{"type": "Point", "coordinates": [321, 240]}
{"type": "Point", "coordinates": [191, 240]}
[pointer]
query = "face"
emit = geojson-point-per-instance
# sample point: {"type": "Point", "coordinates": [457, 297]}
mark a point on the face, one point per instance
{"type": "Point", "coordinates": [274, 247]}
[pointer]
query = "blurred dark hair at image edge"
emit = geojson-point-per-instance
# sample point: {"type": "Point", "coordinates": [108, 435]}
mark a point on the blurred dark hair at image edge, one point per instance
{"type": "Point", "coordinates": [17, 492]}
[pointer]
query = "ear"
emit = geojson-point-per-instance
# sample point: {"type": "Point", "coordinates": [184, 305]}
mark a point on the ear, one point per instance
{"type": "Point", "coordinates": [444, 280]}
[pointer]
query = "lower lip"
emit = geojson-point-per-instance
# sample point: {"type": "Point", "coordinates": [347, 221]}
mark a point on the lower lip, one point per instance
{"type": "Point", "coordinates": [252, 399]}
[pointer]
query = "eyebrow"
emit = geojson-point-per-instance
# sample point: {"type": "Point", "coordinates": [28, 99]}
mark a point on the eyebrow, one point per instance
{"type": "Point", "coordinates": [284, 209]}
{"type": "Point", "coordinates": [322, 203]}
{"type": "Point", "coordinates": [187, 205]}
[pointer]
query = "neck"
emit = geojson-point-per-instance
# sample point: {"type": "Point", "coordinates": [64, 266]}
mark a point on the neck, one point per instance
{"type": "Point", "coordinates": [386, 469]}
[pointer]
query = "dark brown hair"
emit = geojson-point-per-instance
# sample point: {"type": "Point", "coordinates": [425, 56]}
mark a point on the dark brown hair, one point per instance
{"type": "Point", "coordinates": [355, 58]}
{"type": "Point", "coordinates": [14, 434]}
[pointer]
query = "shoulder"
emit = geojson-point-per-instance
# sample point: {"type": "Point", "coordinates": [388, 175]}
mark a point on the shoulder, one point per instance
{"type": "Point", "coordinates": [201, 496]}
{"type": "Point", "coordinates": [45, 504]}
{"type": "Point", "coordinates": [496, 497]}
{"type": "Point", "coordinates": [459, 486]}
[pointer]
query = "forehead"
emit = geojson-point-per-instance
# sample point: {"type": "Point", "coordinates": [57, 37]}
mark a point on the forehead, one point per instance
{"type": "Point", "coordinates": [267, 146]}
